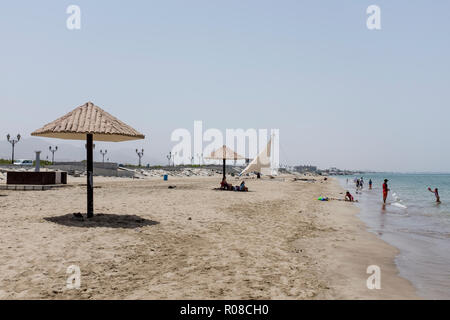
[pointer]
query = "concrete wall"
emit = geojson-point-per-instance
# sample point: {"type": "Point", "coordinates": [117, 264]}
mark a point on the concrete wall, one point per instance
{"type": "Point", "coordinates": [106, 165]}
{"type": "Point", "coordinates": [100, 169]}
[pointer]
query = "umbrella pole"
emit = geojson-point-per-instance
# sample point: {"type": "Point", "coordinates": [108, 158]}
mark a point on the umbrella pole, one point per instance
{"type": "Point", "coordinates": [90, 180]}
{"type": "Point", "coordinates": [224, 168]}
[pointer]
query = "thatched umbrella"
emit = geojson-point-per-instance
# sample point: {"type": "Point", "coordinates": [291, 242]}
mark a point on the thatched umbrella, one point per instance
{"type": "Point", "coordinates": [224, 153]}
{"type": "Point", "coordinates": [89, 122]}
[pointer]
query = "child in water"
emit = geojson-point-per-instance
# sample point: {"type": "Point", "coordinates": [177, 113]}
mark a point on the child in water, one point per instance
{"type": "Point", "coordinates": [436, 194]}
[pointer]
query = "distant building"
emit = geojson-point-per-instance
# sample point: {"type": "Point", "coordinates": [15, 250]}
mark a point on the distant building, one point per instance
{"type": "Point", "coordinates": [304, 169]}
{"type": "Point", "coordinates": [338, 172]}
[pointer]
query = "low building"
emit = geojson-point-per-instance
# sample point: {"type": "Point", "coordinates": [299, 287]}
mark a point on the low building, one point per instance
{"type": "Point", "coordinates": [304, 169]}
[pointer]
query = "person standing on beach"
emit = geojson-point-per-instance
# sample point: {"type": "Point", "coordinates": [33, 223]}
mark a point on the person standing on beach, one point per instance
{"type": "Point", "coordinates": [436, 194]}
{"type": "Point", "coordinates": [361, 183]}
{"type": "Point", "coordinates": [370, 184]}
{"type": "Point", "coordinates": [385, 190]}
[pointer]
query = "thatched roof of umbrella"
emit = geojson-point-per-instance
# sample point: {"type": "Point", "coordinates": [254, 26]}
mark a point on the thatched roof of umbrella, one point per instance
{"type": "Point", "coordinates": [224, 153]}
{"type": "Point", "coordinates": [91, 123]}
{"type": "Point", "coordinates": [89, 119]}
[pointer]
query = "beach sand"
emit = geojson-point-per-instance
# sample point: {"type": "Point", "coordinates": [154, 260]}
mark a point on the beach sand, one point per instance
{"type": "Point", "coordinates": [192, 242]}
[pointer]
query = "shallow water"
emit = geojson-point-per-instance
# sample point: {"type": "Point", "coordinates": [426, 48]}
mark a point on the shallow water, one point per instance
{"type": "Point", "coordinates": [413, 222]}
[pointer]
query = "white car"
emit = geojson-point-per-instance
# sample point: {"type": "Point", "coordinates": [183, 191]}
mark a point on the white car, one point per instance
{"type": "Point", "coordinates": [23, 162]}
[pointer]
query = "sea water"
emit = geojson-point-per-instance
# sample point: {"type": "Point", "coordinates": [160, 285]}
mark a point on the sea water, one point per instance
{"type": "Point", "coordinates": [413, 222]}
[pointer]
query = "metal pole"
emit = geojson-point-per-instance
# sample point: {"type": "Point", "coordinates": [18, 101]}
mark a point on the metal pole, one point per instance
{"type": "Point", "coordinates": [38, 161]}
{"type": "Point", "coordinates": [13, 143]}
{"type": "Point", "coordinates": [53, 150]}
{"type": "Point", "coordinates": [103, 153]}
{"type": "Point", "coordinates": [140, 154]}
{"type": "Point", "coordinates": [90, 174]}
{"type": "Point", "coordinates": [224, 168]}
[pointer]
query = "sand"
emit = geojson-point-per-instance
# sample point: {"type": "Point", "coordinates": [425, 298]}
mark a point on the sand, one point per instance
{"type": "Point", "coordinates": [192, 242]}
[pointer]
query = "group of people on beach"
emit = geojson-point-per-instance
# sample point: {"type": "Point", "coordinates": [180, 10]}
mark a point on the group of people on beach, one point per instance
{"type": "Point", "coordinates": [386, 190]}
{"type": "Point", "coordinates": [224, 185]}
{"type": "Point", "coordinates": [360, 184]}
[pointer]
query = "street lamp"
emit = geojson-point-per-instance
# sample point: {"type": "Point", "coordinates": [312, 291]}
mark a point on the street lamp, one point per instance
{"type": "Point", "coordinates": [169, 157]}
{"type": "Point", "coordinates": [103, 153]}
{"type": "Point", "coordinates": [200, 158]}
{"type": "Point", "coordinates": [140, 155]}
{"type": "Point", "coordinates": [13, 143]}
{"type": "Point", "coordinates": [53, 153]}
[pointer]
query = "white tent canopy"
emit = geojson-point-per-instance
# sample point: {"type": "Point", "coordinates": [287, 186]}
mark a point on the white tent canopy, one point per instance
{"type": "Point", "coordinates": [263, 162]}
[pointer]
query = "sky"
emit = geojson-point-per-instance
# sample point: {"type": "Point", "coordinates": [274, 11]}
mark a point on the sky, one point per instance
{"type": "Point", "coordinates": [341, 95]}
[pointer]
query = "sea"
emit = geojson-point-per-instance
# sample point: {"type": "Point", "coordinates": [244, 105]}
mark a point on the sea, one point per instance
{"type": "Point", "coordinates": [413, 222]}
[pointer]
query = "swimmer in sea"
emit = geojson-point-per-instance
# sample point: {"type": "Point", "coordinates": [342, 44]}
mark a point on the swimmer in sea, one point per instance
{"type": "Point", "coordinates": [436, 194]}
{"type": "Point", "coordinates": [385, 190]}
{"type": "Point", "coordinates": [370, 184]}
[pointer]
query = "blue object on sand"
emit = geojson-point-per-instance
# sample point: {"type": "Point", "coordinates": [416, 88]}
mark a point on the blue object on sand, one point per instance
{"type": "Point", "coordinates": [166, 177]}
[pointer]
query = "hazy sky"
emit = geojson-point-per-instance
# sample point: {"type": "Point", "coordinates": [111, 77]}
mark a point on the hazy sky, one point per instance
{"type": "Point", "coordinates": [341, 95]}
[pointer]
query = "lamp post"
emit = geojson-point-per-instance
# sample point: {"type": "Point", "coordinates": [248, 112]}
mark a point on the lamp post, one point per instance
{"type": "Point", "coordinates": [200, 158]}
{"type": "Point", "coordinates": [91, 147]}
{"type": "Point", "coordinates": [53, 153]}
{"type": "Point", "coordinates": [140, 155]}
{"type": "Point", "coordinates": [103, 153]}
{"type": "Point", "coordinates": [169, 157]}
{"type": "Point", "coordinates": [13, 143]}
{"type": "Point", "coordinates": [37, 163]}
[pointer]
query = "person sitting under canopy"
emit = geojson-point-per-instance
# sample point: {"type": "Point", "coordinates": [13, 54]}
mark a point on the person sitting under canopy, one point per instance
{"type": "Point", "coordinates": [224, 184]}
{"type": "Point", "coordinates": [242, 187]}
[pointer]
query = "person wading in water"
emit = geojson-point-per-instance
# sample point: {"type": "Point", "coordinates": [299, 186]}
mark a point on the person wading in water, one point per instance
{"type": "Point", "coordinates": [436, 194]}
{"type": "Point", "coordinates": [385, 190]}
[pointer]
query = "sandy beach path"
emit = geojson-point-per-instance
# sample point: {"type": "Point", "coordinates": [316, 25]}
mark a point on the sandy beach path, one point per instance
{"type": "Point", "coordinates": [191, 242]}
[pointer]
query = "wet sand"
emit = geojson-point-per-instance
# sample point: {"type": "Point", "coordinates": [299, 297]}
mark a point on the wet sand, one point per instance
{"type": "Point", "coordinates": [192, 242]}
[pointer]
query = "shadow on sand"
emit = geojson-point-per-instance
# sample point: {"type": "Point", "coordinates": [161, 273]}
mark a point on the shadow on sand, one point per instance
{"type": "Point", "coordinates": [102, 220]}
